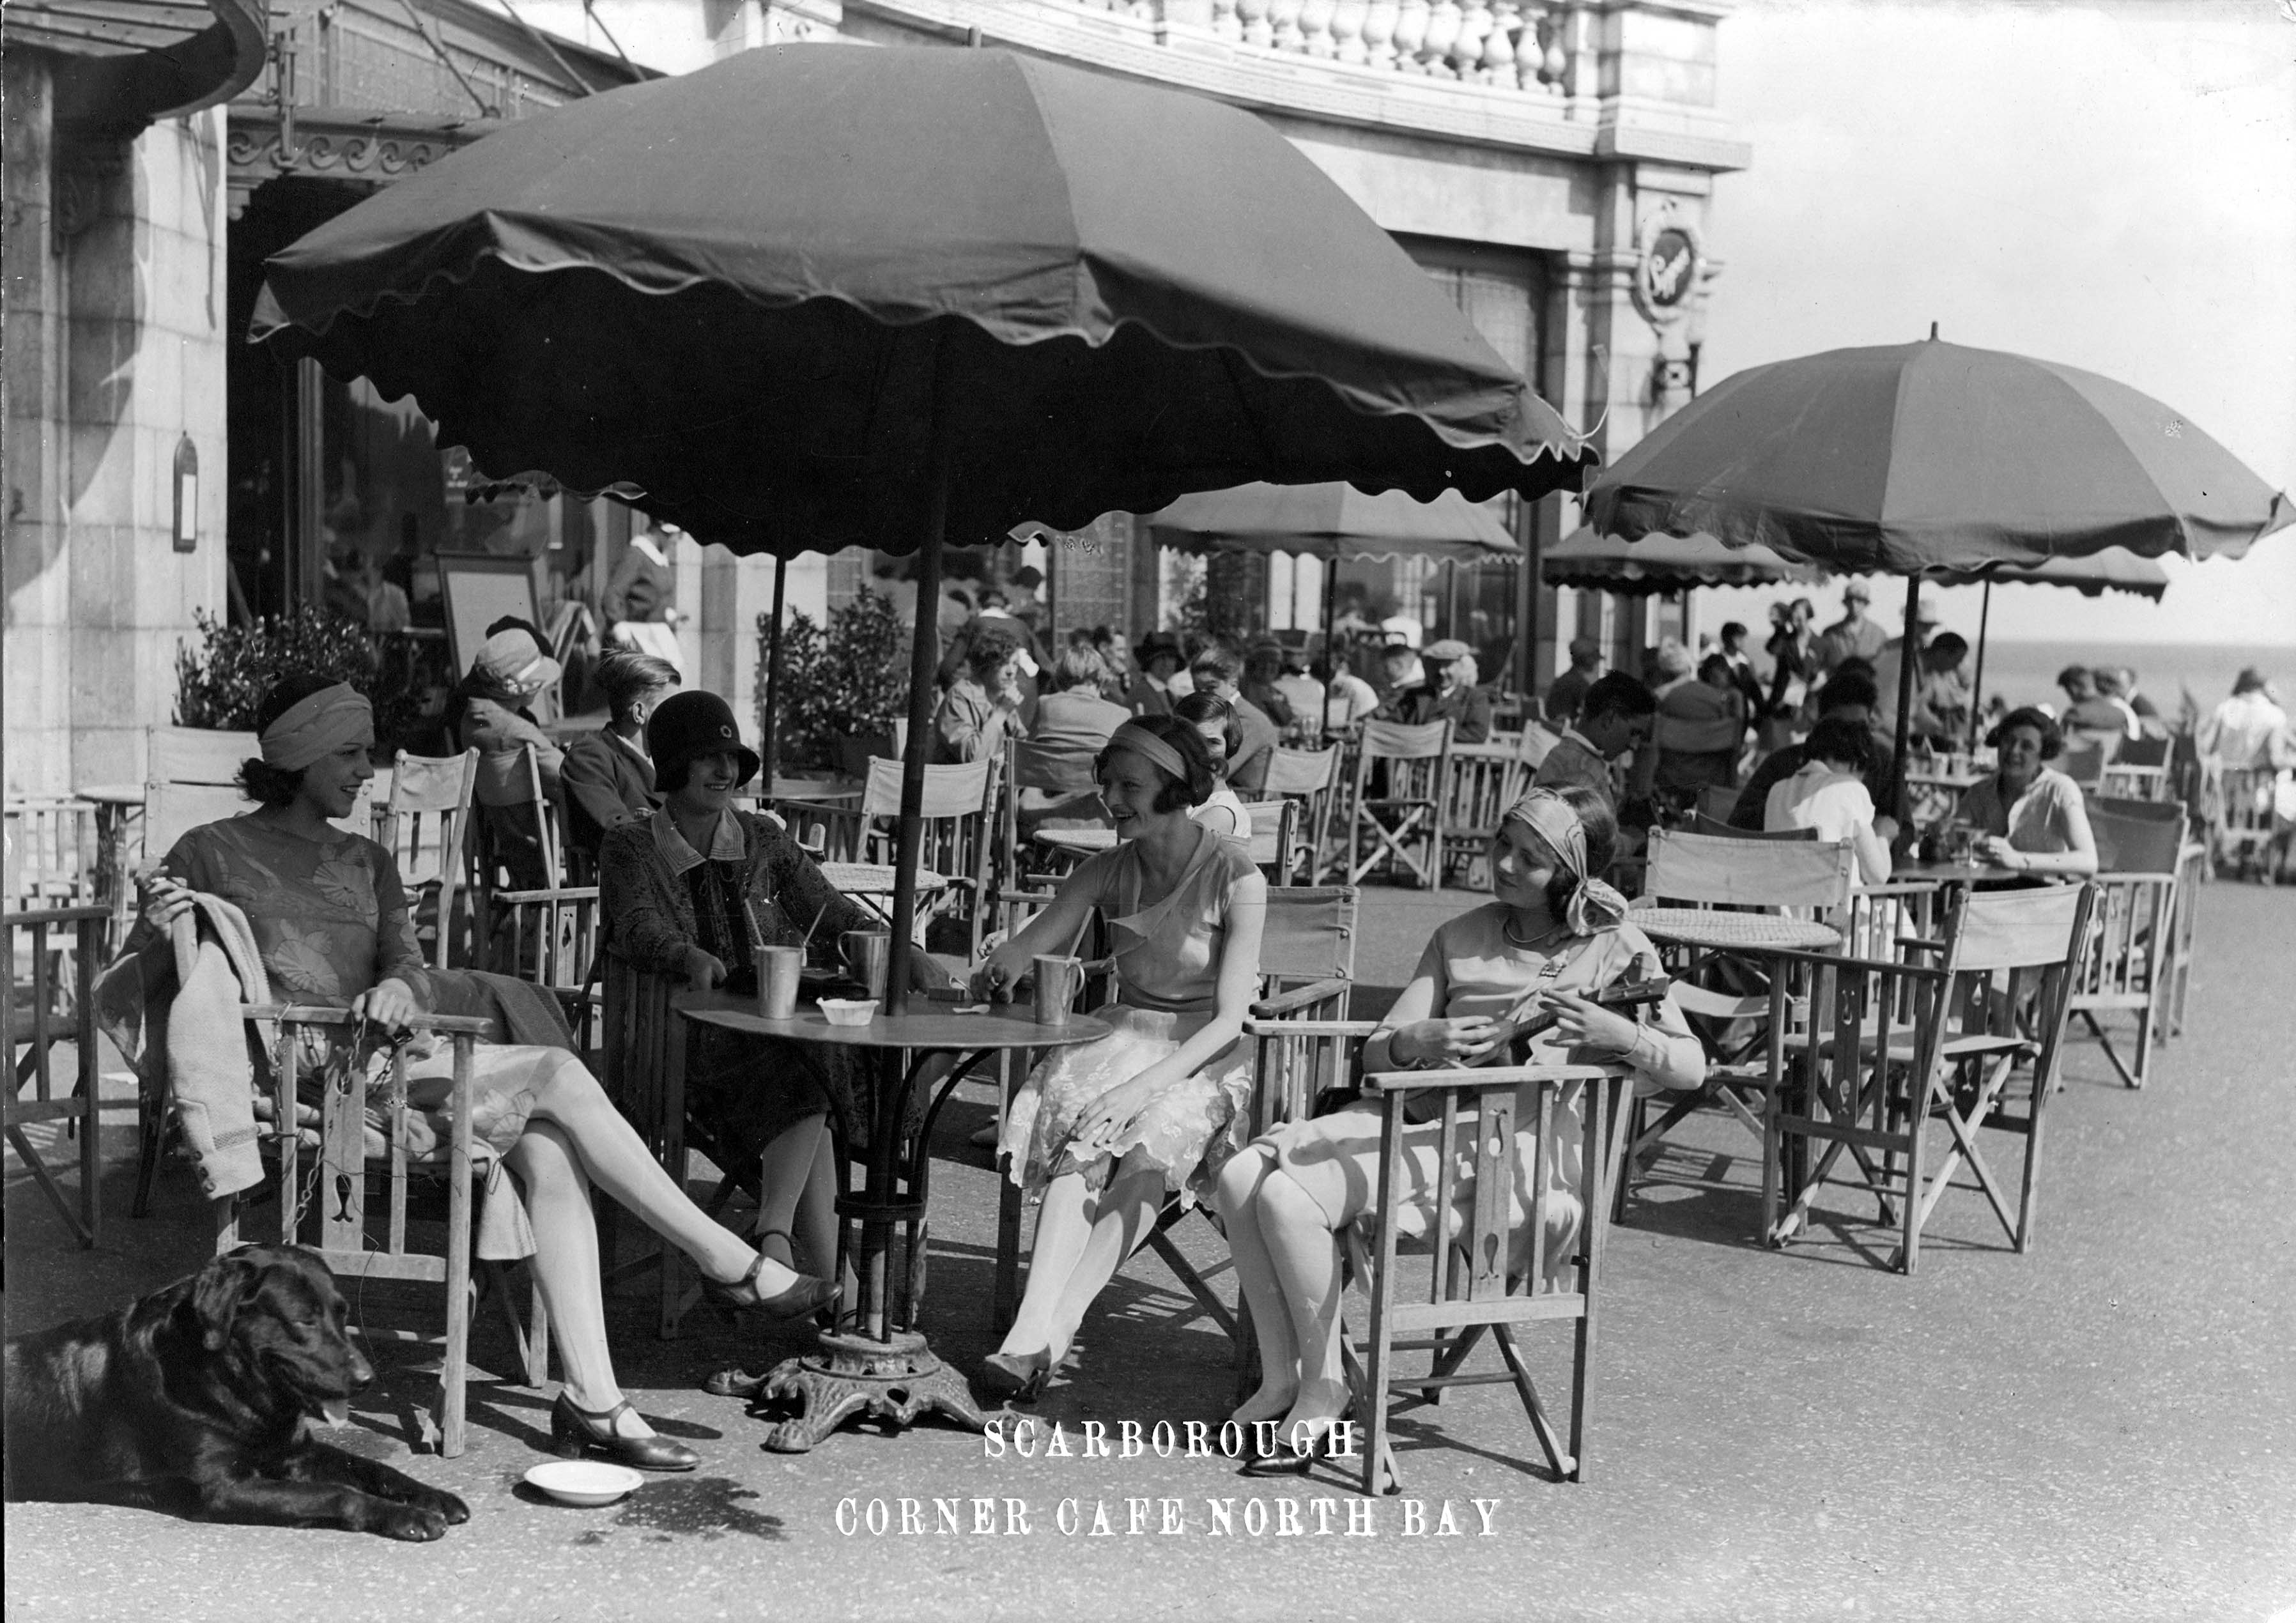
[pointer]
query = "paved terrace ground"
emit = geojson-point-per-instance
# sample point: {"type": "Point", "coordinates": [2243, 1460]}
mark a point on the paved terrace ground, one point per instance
{"type": "Point", "coordinates": [2101, 1429]}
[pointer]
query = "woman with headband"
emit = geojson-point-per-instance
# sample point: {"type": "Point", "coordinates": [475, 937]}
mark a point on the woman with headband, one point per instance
{"type": "Point", "coordinates": [331, 917]}
{"type": "Point", "coordinates": [1552, 935]}
{"type": "Point", "coordinates": [1102, 1133]}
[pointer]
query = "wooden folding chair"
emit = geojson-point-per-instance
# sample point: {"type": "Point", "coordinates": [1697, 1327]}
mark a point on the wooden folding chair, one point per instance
{"type": "Point", "coordinates": [1722, 828]}
{"type": "Point", "coordinates": [1866, 1083]}
{"type": "Point", "coordinates": [959, 802]}
{"type": "Point", "coordinates": [1406, 811]}
{"type": "Point", "coordinates": [1312, 778]}
{"type": "Point", "coordinates": [2085, 757]}
{"type": "Point", "coordinates": [643, 1069]}
{"type": "Point", "coordinates": [53, 854]}
{"type": "Point", "coordinates": [195, 755]}
{"type": "Point", "coordinates": [426, 824]}
{"type": "Point", "coordinates": [47, 986]}
{"type": "Point", "coordinates": [2133, 943]}
{"type": "Point", "coordinates": [1482, 780]}
{"type": "Point", "coordinates": [2245, 823]}
{"type": "Point", "coordinates": [1273, 840]}
{"type": "Point", "coordinates": [547, 935]}
{"type": "Point", "coordinates": [1743, 1006]}
{"type": "Point", "coordinates": [360, 1236]}
{"type": "Point", "coordinates": [1480, 1278]}
{"type": "Point", "coordinates": [2138, 770]}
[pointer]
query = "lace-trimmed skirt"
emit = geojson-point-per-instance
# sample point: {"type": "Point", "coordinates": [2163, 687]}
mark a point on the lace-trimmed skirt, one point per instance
{"type": "Point", "coordinates": [1188, 1130]}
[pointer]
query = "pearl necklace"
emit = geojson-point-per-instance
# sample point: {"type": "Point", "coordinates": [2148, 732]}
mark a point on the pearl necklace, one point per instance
{"type": "Point", "coordinates": [1506, 928]}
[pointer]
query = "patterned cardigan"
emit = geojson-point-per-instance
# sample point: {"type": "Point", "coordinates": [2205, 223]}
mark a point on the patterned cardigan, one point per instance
{"type": "Point", "coordinates": [648, 910]}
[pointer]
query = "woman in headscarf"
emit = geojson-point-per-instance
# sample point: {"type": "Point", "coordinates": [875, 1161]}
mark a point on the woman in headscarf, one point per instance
{"type": "Point", "coordinates": [1104, 1132]}
{"type": "Point", "coordinates": [1552, 936]}
{"type": "Point", "coordinates": [330, 917]}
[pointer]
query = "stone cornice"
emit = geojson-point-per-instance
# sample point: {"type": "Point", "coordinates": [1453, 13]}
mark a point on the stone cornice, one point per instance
{"type": "Point", "coordinates": [1308, 88]}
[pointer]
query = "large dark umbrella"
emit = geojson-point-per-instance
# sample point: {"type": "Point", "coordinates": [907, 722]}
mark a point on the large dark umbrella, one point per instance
{"type": "Point", "coordinates": [1332, 522]}
{"type": "Point", "coordinates": [816, 296]}
{"type": "Point", "coordinates": [1933, 459]}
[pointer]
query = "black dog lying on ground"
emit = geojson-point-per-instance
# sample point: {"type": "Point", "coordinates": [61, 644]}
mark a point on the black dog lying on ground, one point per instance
{"type": "Point", "coordinates": [194, 1400]}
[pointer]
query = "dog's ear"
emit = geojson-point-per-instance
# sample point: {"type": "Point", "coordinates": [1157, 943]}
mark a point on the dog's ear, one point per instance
{"type": "Point", "coordinates": [216, 1296]}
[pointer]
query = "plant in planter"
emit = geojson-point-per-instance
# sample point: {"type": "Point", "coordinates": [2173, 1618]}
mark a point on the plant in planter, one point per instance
{"type": "Point", "coordinates": [219, 684]}
{"type": "Point", "coordinates": [848, 682]}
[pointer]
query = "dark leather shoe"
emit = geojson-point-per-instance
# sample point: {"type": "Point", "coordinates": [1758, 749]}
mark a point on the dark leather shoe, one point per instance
{"type": "Point", "coordinates": [807, 1295]}
{"type": "Point", "coordinates": [575, 1432]}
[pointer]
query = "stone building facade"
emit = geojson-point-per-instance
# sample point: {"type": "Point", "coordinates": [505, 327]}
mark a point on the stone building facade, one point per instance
{"type": "Point", "coordinates": [1549, 162]}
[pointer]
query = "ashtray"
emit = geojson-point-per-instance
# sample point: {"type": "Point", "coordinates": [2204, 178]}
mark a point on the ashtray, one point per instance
{"type": "Point", "coordinates": [584, 1481]}
{"type": "Point", "coordinates": [848, 1010]}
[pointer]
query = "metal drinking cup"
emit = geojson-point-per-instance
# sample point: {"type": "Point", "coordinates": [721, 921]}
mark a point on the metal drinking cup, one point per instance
{"type": "Point", "coordinates": [867, 953]}
{"type": "Point", "coordinates": [777, 981]}
{"type": "Point", "coordinates": [1059, 979]}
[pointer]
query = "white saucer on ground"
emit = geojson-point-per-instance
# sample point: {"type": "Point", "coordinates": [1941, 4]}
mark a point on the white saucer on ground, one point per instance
{"type": "Point", "coordinates": [584, 1481]}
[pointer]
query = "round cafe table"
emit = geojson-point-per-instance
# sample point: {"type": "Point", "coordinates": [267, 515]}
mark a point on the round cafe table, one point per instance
{"type": "Point", "coordinates": [1959, 873]}
{"type": "Point", "coordinates": [882, 1364]}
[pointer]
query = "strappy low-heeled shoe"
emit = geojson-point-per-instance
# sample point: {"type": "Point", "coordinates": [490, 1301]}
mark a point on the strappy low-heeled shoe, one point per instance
{"type": "Point", "coordinates": [575, 1432]}
{"type": "Point", "coordinates": [803, 1296]}
{"type": "Point", "coordinates": [1016, 1377]}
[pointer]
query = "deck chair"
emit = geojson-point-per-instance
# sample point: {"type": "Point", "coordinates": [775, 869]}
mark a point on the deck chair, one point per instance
{"type": "Point", "coordinates": [1988, 1000]}
{"type": "Point", "coordinates": [351, 1207]}
{"type": "Point", "coordinates": [1477, 1279]}
{"type": "Point", "coordinates": [547, 934]}
{"type": "Point", "coordinates": [2085, 757]}
{"type": "Point", "coordinates": [47, 983]}
{"type": "Point", "coordinates": [1067, 786]}
{"type": "Point", "coordinates": [958, 803]}
{"type": "Point", "coordinates": [2133, 943]}
{"type": "Point", "coordinates": [1312, 778]}
{"type": "Point", "coordinates": [1392, 816]}
{"type": "Point", "coordinates": [425, 825]}
{"type": "Point", "coordinates": [1482, 782]}
{"type": "Point", "coordinates": [2138, 770]}
{"type": "Point", "coordinates": [195, 755]}
{"type": "Point", "coordinates": [643, 1069]}
{"type": "Point", "coordinates": [1722, 828]}
{"type": "Point", "coordinates": [1274, 841]}
{"type": "Point", "coordinates": [1740, 1009]}
{"type": "Point", "coordinates": [2245, 822]}
{"type": "Point", "coordinates": [53, 854]}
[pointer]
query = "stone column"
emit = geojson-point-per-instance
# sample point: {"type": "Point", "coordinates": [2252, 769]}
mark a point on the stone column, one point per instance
{"type": "Point", "coordinates": [115, 341]}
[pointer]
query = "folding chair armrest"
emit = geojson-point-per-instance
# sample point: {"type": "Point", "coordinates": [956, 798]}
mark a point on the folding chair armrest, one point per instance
{"type": "Point", "coordinates": [1927, 944]}
{"type": "Point", "coordinates": [1309, 1027]}
{"type": "Point", "coordinates": [1483, 1078]}
{"type": "Point", "coordinates": [563, 893]}
{"type": "Point", "coordinates": [1299, 997]}
{"type": "Point", "coordinates": [323, 1014]}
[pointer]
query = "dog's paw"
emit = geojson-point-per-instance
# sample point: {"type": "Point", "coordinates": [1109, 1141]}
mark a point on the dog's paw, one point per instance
{"type": "Point", "coordinates": [450, 1509]}
{"type": "Point", "coordinates": [414, 1523]}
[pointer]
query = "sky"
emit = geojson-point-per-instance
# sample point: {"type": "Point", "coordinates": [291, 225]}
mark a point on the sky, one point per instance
{"type": "Point", "coordinates": [2111, 186]}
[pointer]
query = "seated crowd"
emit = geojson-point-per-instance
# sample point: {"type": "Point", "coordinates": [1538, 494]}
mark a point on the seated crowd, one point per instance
{"type": "Point", "coordinates": [1158, 743]}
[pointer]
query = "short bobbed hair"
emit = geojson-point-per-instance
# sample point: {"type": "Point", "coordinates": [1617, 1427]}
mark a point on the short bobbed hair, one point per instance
{"type": "Point", "coordinates": [2053, 737]}
{"type": "Point", "coordinates": [1175, 794]}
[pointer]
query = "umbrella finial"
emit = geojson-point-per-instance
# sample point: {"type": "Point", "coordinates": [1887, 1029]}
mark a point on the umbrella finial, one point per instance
{"type": "Point", "coordinates": [1933, 331]}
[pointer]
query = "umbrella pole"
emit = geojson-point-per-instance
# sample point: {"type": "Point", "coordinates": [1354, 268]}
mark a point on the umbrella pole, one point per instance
{"type": "Point", "coordinates": [769, 750]}
{"type": "Point", "coordinates": [924, 663]}
{"type": "Point", "coordinates": [1976, 684]}
{"type": "Point", "coordinates": [1909, 654]}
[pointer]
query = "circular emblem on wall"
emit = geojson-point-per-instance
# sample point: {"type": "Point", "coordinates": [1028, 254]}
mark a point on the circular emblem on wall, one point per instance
{"type": "Point", "coordinates": [1668, 268]}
